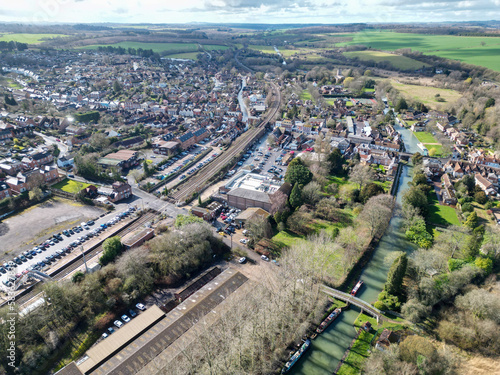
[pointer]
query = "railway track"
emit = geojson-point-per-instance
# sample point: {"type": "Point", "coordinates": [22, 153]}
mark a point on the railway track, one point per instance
{"type": "Point", "coordinates": [64, 271]}
{"type": "Point", "coordinates": [199, 181]}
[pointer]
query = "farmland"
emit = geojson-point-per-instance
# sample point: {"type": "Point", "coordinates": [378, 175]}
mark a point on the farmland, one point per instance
{"type": "Point", "coordinates": [28, 38]}
{"type": "Point", "coordinates": [427, 94]}
{"type": "Point", "coordinates": [397, 61]}
{"type": "Point", "coordinates": [483, 51]}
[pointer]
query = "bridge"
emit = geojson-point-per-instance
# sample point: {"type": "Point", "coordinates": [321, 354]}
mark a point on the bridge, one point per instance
{"type": "Point", "coordinates": [34, 274]}
{"type": "Point", "coordinates": [364, 306]}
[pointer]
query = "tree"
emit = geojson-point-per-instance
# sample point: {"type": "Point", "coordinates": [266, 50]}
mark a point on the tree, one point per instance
{"type": "Point", "coordinates": [401, 105]}
{"type": "Point", "coordinates": [259, 227]}
{"type": "Point", "coordinates": [35, 194]}
{"type": "Point", "coordinates": [111, 249]}
{"type": "Point", "coordinates": [99, 141]}
{"type": "Point", "coordinates": [77, 277]}
{"type": "Point", "coordinates": [117, 87]}
{"type": "Point", "coordinates": [485, 264]}
{"type": "Point", "coordinates": [480, 197]}
{"type": "Point", "coordinates": [298, 173]}
{"type": "Point", "coordinates": [376, 212]}
{"type": "Point", "coordinates": [362, 174]}
{"type": "Point", "coordinates": [370, 190]}
{"type": "Point", "coordinates": [395, 276]}
{"type": "Point", "coordinates": [417, 158]}
{"type": "Point", "coordinates": [337, 162]}
{"type": "Point", "coordinates": [415, 197]}
{"type": "Point", "coordinates": [472, 220]}
{"type": "Point", "coordinates": [296, 196]}
{"type": "Point", "coordinates": [311, 193]}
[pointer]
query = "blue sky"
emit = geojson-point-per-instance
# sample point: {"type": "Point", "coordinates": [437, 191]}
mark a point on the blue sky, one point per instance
{"type": "Point", "coordinates": [247, 11]}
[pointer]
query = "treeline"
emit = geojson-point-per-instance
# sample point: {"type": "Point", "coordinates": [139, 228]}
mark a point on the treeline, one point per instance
{"type": "Point", "coordinates": [13, 46]}
{"type": "Point", "coordinates": [85, 306]}
{"type": "Point", "coordinates": [87, 116]}
{"type": "Point", "coordinates": [128, 51]}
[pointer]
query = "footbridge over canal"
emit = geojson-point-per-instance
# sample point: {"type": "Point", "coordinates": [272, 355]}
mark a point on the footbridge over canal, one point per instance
{"type": "Point", "coordinates": [364, 306]}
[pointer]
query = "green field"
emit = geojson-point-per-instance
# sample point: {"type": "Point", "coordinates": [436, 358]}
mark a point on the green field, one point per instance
{"type": "Point", "coordinates": [397, 61]}
{"type": "Point", "coordinates": [70, 186]}
{"type": "Point", "coordinates": [286, 238]}
{"type": "Point", "coordinates": [156, 47]}
{"type": "Point", "coordinates": [439, 214]}
{"type": "Point", "coordinates": [264, 49]}
{"type": "Point", "coordinates": [28, 38]}
{"type": "Point", "coordinates": [427, 94]}
{"type": "Point", "coordinates": [305, 95]}
{"type": "Point", "coordinates": [185, 55]}
{"type": "Point", "coordinates": [425, 137]}
{"type": "Point", "coordinates": [213, 47]}
{"type": "Point", "coordinates": [483, 51]}
{"type": "Point", "coordinates": [438, 149]}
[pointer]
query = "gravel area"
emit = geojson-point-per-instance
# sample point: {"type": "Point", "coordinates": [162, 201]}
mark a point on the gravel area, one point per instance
{"type": "Point", "coordinates": [35, 224]}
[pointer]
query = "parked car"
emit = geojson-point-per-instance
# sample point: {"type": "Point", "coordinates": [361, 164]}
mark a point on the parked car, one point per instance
{"type": "Point", "coordinates": [118, 323]}
{"type": "Point", "coordinates": [140, 306]}
{"type": "Point", "coordinates": [125, 318]}
{"type": "Point", "coordinates": [111, 330]}
{"type": "Point", "coordinates": [242, 260]}
{"type": "Point", "coordinates": [263, 257]}
{"type": "Point", "coordinates": [132, 313]}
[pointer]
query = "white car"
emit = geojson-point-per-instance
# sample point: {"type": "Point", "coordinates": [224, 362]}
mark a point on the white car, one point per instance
{"type": "Point", "coordinates": [125, 318]}
{"type": "Point", "coordinates": [117, 323]}
{"type": "Point", "coordinates": [263, 257]}
{"type": "Point", "coordinates": [140, 306]}
{"type": "Point", "coordinates": [104, 335]}
{"type": "Point", "coordinates": [244, 240]}
{"type": "Point", "coordinates": [242, 260]}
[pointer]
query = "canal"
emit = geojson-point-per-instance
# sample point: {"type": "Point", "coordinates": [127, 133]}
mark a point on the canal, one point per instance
{"type": "Point", "coordinates": [241, 102]}
{"type": "Point", "coordinates": [329, 347]}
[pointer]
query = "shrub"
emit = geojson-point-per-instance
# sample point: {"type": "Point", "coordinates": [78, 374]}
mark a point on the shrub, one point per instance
{"type": "Point", "coordinates": [380, 305]}
{"type": "Point", "coordinates": [467, 207]}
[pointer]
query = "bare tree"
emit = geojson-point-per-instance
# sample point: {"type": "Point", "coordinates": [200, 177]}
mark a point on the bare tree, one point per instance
{"type": "Point", "coordinates": [362, 175]}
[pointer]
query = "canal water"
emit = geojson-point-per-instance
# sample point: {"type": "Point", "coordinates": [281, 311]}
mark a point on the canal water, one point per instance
{"type": "Point", "coordinates": [241, 102]}
{"type": "Point", "coordinates": [329, 347]}
{"type": "Point", "coordinates": [409, 139]}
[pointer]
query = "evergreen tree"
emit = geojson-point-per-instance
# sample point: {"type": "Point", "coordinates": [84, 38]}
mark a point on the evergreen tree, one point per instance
{"type": "Point", "coordinates": [337, 162]}
{"type": "Point", "coordinates": [296, 196]}
{"type": "Point", "coordinates": [396, 274]}
{"type": "Point", "coordinates": [298, 173]}
{"type": "Point", "coordinates": [472, 220]}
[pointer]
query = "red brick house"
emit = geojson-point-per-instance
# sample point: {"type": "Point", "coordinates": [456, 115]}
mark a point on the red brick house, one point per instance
{"type": "Point", "coordinates": [5, 191]}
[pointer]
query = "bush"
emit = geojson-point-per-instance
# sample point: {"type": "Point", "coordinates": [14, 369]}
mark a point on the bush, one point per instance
{"type": "Point", "coordinates": [467, 207]}
{"type": "Point", "coordinates": [480, 197]}
{"type": "Point", "coordinates": [380, 305]}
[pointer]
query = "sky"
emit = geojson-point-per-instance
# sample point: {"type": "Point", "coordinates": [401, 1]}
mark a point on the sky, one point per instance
{"type": "Point", "coordinates": [247, 11]}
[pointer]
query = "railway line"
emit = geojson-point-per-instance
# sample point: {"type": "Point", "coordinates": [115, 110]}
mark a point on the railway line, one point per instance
{"type": "Point", "coordinates": [68, 268]}
{"type": "Point", "coordinates": [199, 181]}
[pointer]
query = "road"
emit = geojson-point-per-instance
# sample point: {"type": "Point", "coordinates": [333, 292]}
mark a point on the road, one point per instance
{"type": "Point", "coordinates": [52, 141]}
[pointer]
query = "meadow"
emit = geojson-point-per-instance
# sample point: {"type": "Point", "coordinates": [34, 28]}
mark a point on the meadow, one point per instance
{"type": "Point", "coordinates": [427, 94]}
{"type": "Point", "coordinates": [483, 51]}
{"type": "Point", "coordinates": [397, 61]}
{"type": "Point", "coordinates": [28, 38]}
{"type": "Point", "coordinates": [70, 186]}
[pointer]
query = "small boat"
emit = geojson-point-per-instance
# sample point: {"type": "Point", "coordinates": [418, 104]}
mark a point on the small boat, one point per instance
{"type": "Point", "coordinates": [296, 356]}
{"type": "Point", "coordinates": [328, 320]}
{"type": "Point", "coordinates": [356, 288]}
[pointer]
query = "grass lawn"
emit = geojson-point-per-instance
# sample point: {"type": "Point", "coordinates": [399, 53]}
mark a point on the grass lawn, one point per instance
{"type": "Point", "coordinates": [305, 95]}
{"type": "Point", "coordinates": [358, 355]}
{"type": "Point", "coordinates": [156, 47]}
{"type": "Point", "coordinates": [386, 184]}
{"type": "Point", "coordinates": [349, 103]}
{"type": "Point", "coordinates": [70, 186]}
{"type": "Point", "coordinates": [397, 61]}
{"type": "Point", "coordinates": [28, 38]}
{"type": "Point", "coordinates": [286, 238]}
{"type": "Point", "coordinates": [425, 137]}
{"type": "Point", "coordinates": [319, 225]}
{"type": "Point", "coordinates": [427, 94]}
{"type": "Point", "coordinates": [439, 214]}
{"type": "Point", "coordinates": [213, 47]}
{"type": "Point", "coordinates": [438, 149]}
{"type": "Point", "coordinates": [264, 49]}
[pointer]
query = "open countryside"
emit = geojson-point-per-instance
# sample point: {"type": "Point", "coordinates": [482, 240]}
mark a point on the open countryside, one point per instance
{"type": "Point", "coordinates": [29, 38]}
{"type": "Point", "coordinates": [432, 97]}
{"type": "Point", "coordinates": [398, 61]}
{"type": "Point", "coordinates": [483, 51]}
